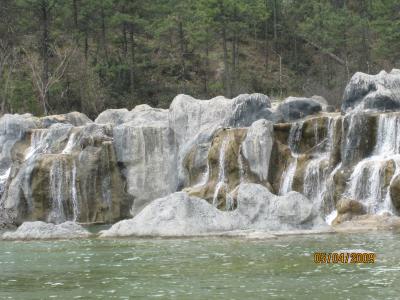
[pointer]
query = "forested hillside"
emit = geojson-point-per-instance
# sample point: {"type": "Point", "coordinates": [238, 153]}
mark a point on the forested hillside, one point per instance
{"type": "Point", "coordinates": [88, 55]}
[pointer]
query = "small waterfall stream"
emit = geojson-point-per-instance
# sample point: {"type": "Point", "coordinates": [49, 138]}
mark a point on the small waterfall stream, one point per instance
{"type": "Point", "coordinates": [290, 171]}
{"type": "Point", "coordinates": [63, 192]}
{"type": "Point", "coordinates": [367, 182]}
{"type": "Point", "coordinates": [221, 172]}
{"type": "Point", "coordinates": [317, 170]}
{"type": "Point", "coordinates": [70, 144]}
{"type": "Point", "coordinates": [38, 143]}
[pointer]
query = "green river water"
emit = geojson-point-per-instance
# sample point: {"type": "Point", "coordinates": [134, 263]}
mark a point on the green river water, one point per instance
{"type": "Point", "coordinates": [199, 268]}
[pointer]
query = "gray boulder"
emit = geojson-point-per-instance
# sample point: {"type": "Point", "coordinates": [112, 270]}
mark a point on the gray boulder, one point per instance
{"type": "Point", "coordinates": [181, 215]}
{"type": "Point", "coordinates": [265, 211]}
{"type": "Point", "coordinates": [188, 116]}
{"type": "Point", "coordinates": [294, 108]}
{"type": "Point", "coordinates": [43, 231]}
{"type": "Point", "coordinates": [175, 215]}
{"type": "Point", "coordinates": [112, 116]}
{"type": "Point", "coordinates": [379, 92]}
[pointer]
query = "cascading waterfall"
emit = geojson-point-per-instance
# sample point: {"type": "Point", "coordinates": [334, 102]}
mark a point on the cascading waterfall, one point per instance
{"type": "Point", "coordinates": [3, 179]}
{"type": "Point", "coordinates": [38, 143]}
{"type": "Point", "coordinates": [74, 194]}
{"type": "Point", "coordinates": [63, 192]}
{"type": "Point", "coordinates": [204, 177]}
{"type": "Point", "coordinates": [57, 185]}
{"type": "Point", "coordinates": [221, 171]}
{"type": "Point", "coordinates": [367, 183]}
{"type": "Point", "coordinates": [70, 144]}
{"type": "Point", "coordinates": [288, 176]}
{"type": "Point", "coordinates": [240, 164]}
{"type": "Point", "coordinates": [316, 173]}
{"type": "Point", "coordinates": [290, 171]}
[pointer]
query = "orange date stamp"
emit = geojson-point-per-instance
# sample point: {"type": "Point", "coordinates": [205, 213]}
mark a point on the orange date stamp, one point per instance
{"type": "Point", "coordinates": [344, 257]}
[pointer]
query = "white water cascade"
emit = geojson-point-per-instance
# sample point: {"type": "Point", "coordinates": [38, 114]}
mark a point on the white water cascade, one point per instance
{"type": "Point", "coordinates": [290, 170]}
{"type": "Point", "coordinates": [38, 143]}
{"type": "Point", "coordinates": [317, 170]}
{"type": "Point", "coordinates": [368, 183]}
{"type": "Point", "coordinates": [221, 172]}
{"type": "Point", "coordinates": [63, 192]}
{"type": "Point", "coordinates": [72, 140]}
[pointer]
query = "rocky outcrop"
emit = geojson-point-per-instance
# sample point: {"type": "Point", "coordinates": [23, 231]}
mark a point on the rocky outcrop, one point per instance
{"type": "Point", "coordinates": [45, 231]}
{"type": "Point", "coordinates": [189, 116]}
{"type": "Point", "coordinates": [146, 150]}
{"type": "Point", "coordinates": [347, 209]}
{"type": "Point", "coordinates": [257, 148]}
{"type": "Point", "coordinates": [368, 223]}
{"type": "Point", "coordinates": [65, 173]}
{"type": "Point", "coordinates": [379, 92]}
{"type": "Point", "coordinates": [248, 164]}
{"type": "Point", "coordinates": [294, 108]}
{"type": "Point", "coordinates": [112, 116]}
{"type": "Point", "coordinates": [73, 118]}
{"type": "Point", "coordinates": [182, 215]}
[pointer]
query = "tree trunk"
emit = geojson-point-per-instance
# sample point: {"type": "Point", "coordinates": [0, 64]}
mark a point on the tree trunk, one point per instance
{"type": "Point", "coordinates": [182, 50]}
{"type": "Point", "coordinates": [86, 45]}
{"type": "Point", "coordinates": [124, 40]}
{"type": "Point", "coordinates": [266, 44]}
{"type": "Point", "coordinates": [227, 80]}
{"type": "Point", "coordinates": [274, 11]}
{"type": "Point", "coordinates": [206, 64]}
{"type": "Point", "coordinates": [45, 10]}
{"type": "Point", "coordinates": [76, 26]}
{"type": "Point", "coordinates": [132, 68]}
{"type": "Point", "coordinates": [103, 32]}
{"type": "Point", "coordinates": [75, 13]}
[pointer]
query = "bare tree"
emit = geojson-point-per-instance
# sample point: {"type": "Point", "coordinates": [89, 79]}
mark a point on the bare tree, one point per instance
{"type": "Point", "coordinates": [8, 63]}
{"type": "Point", "coordinates": [44, 82]}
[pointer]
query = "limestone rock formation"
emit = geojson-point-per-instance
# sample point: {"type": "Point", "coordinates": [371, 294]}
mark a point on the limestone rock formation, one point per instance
{"type": "Point", "coordinates": [257, 148]}
{"type": "Point", "coordinates": [182, 215]}
{"type": "Point", "coordinates": [294, 108]}
{"type": "Point", "coordinates": [379, 92]}
{"type": "Point", "coordinates": [146, 150]}
{"type": "Point", "coordinates": [112, 116]}
{"type": "Point", "coordinates": [64, 173]}
{"type": "Point", "coordinates": [295, 160]}
{"type": "Point", "coordinates": [44, 231]}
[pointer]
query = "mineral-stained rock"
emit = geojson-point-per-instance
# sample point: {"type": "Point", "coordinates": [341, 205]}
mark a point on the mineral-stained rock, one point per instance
{"type": "Point", "coordinates": [67, 173]}
{"type": "Point", "coordinates": [294, 108]}
{"type": "Point", "coordinates": [395, 192]}
{"type": "Point", "coordinates": [224, 169]}
{"type": "Point", "coordinates": [42, 231]}
{"type": "Point", "coordinates": [368, 223]}
{"type": "Point", "coordinates": [74, 118]}
{"type": "Point", "coordinates": [348, 209]}
{"type": "Point", "coordinates": [379, 92]}
{"type": "Point", "coordinates": [146, 151]}
{"type": "Point", "coordinates": [359, 137]}
{"type": "Point", "coordinates": [348, 205]}
{"type": "Point", "coordinates": [257, 148]}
